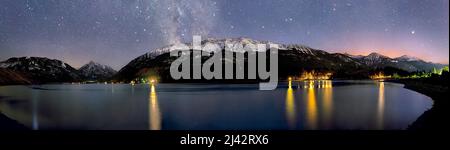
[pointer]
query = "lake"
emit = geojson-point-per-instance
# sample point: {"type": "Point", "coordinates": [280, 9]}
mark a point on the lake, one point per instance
{"type": "Point", "coordinates": [298, 105]}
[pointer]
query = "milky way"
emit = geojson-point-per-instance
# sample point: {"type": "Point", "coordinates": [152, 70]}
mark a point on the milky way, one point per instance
{"type": "Point", "coordinates": [113, 32]}
{"type": "Point", "coordinates": [178, 18]}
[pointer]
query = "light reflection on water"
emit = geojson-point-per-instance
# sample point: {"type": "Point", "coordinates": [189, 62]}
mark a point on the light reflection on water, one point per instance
{"type": "Point", "coordinates": [290, 107]}
{"type": "Point", "coordinates": [298, 105]}
{"type": "Point", "coordinates": [380, 106]}
{"type": "Point", "coordinates": [35, 109]}
{"type": "Point", "coordinates": [327, 102]}
{"type": "Point", "coordinates": [324, 89]}
{"type": "Point", "coordinates": [154, 112]}
{"type": "Point", "coordinates": [311, 107]}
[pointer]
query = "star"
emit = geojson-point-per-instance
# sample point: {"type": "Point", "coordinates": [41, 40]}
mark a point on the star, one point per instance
{"type": "Point", "coordinates": [290, 19]}
{"type": "Point", "coordinates": [413, 32]}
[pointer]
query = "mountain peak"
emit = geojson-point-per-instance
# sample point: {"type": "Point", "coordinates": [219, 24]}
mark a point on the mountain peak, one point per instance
{"type": "Point", "coordinates": [375, 54]}
{"type": "Point", "coordinates": [93, 63]}
{"type": "Point", "coordinates": [353, 56]}
{"type": "Point", "coordinates": [41, 69]}
{"type": "Point", "coordinates": [408, 58]}
{"type": "Point", "coordinates": [96, 71]}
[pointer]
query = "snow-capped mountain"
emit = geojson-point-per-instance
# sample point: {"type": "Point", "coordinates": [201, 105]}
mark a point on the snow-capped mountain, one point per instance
{"type": "Point", "coordinates": [293, 59]}
{"type": "Point", "coordinates": [406, 63]}
{"type": "Point", "coordinates": [96, 71]}
{"type": "Point", "coordinates": [147, 59]}
{"type": "Point", "coordinates": [407, 58]}
{"type": "Point", "coordinates": [354, 56]}
{"type": "Point", "coordinates": [39, 69]}
{"type": "Point", "coordinates": [375, 58]}
{"type": "Point", "coordinates": [231, 43]}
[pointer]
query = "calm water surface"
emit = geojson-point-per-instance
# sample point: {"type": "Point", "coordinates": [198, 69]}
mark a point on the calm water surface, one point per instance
{"type": "Point", "coordinates": [304, 105]}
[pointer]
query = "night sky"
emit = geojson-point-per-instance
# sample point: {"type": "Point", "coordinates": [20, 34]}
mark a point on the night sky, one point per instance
{"type": "Point", "coordinates": [114, 32]}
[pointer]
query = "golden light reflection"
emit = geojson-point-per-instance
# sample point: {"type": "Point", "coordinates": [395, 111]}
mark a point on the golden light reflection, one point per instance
{"type": "Point", "coordinates": [311, 84]}
{"type": "Point", "coordinates": [290, 107]}
{"type": "Point", "coordinates": [380, 110]}
{"type": "Point", "coordinates": [311, 108]}
{"type": "Point", "coordinates": [327, 101]}
{"type": "Point", "coordinates": [154, 112]}
{"type": "Point", "coordinates": [290, 83]}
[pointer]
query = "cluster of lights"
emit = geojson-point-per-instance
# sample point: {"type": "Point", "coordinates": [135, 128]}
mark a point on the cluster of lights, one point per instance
{"type": "Point", "coordinates": [312, 84]}
{"type": "Point", "coordinates": [148, 80]}
{"type": "Point", "coordinates": [312, 75]}
{"type": "Point", "coordinates": [380, 75]}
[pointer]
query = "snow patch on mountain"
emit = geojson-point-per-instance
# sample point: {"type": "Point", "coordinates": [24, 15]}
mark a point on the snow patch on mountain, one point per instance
{"type": "Point", "coordinates": [408, 58]}
{"type": "Point", "coordinates": [232, 44]}
{"type": "Point", "coordinates": [41, 69]}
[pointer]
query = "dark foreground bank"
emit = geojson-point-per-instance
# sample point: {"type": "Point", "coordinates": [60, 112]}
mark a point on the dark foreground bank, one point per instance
{"type": "Point", "coordinates": [9, 124]}
{"type": "Point", "coordinates": [437, 90]}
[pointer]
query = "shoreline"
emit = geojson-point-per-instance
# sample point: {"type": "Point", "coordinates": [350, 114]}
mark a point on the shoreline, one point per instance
{"type": "Point", "coordinates": [431, 119]}
{"type": "Point", "coordinates": [7, 124]}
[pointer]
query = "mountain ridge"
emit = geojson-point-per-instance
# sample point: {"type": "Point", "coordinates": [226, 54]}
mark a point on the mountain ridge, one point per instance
{"type": "Point", "coordinates": [294, 59]}
{"type": "Point", "coordinates": [41, 69]}
{"type": "Point", "coordinates": [38, 70]}
{"type": "Point", "coordinates": [96, 71]}
{"type": "Point", "coordinates": [302, 58]}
